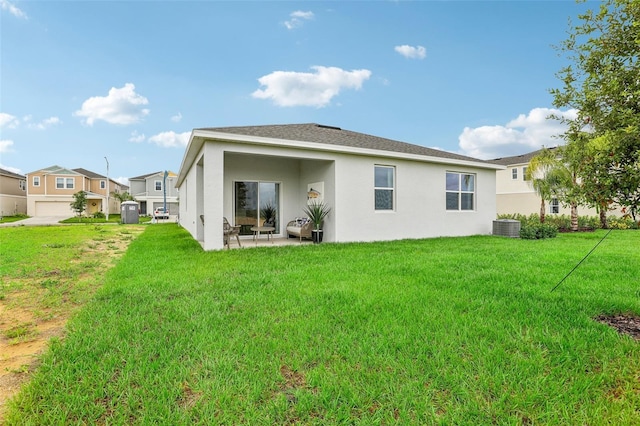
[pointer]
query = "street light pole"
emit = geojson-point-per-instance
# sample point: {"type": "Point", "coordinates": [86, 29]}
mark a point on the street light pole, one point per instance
{"type": "Point", "coordinates": [164, 189]}
{"type": "Point", "coordinates": [105, 159]}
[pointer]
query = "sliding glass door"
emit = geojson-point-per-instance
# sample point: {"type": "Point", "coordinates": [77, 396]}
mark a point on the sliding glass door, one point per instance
{"type": "Point", "coordinates": [256, 204]}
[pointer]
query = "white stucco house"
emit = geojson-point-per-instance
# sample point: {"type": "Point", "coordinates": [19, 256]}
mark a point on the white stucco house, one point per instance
{"type": "Point", "coordinates": [377, 188]}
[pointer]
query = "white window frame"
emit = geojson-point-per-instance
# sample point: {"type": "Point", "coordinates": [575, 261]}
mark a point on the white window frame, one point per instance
{"type": "Point", "coordinates": [460, 192]}
{"type": "Point", "coordinates": [391, 188]}
{"type": "Point", "coordinates": [554, 206]}
{"type": "Point", "coordinates": [22, 184]}
{"type": "Point", "coordinates": [36, 181]}
{"type": "Point", "coordinates": [69, 183]}
{"type": "Point", "coordinates": [156, 184]}
{"type": "Point", "coordinates": [524, 173]}
{"type": "Point", "coordinates": [103, 184]}
{"type": "Point", "coordinates": [514, 173]}
{"type": "Point", "coordinates": [60, 182]}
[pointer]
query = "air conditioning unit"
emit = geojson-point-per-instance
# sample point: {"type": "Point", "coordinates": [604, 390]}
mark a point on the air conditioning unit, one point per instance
{"type": "Point", "coordinates": [506, 228]}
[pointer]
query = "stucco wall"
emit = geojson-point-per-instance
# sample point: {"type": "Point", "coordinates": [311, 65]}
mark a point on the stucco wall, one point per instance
{"type": "Point", "coordinates": [349, 189]}
{"type": "Point", "coordinates": [419, 211]}
{"type": "Point", "coordinates": [13, 204]}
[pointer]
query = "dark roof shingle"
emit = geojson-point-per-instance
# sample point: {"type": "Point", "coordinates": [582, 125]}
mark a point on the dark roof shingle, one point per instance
{"type": "Point", "coordinates": [311, 132]}
{"type": "Point", "coordinates": [518, 159]}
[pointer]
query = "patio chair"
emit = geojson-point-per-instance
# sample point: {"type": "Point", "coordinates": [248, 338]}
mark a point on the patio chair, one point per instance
{"type": "Point", "coordinates": [230, 231]}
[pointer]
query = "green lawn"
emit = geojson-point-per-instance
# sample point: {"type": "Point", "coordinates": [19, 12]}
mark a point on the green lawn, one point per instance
{"type": "Point", "coordinates": [8, 219]}
{"type": "Point", "coordinates": [445, 331]}
{"type": "Point", "coordinates": [113, 218]}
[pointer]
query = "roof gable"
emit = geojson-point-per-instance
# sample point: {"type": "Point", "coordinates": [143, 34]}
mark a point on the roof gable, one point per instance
{"type": "Point", "coordinates": [55, 170]}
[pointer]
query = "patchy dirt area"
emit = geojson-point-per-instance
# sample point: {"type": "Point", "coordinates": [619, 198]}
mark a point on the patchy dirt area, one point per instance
{"type": "Point", "coordinates": [624, 324]}
{"type": "Point", "coordinates": [35, 307]}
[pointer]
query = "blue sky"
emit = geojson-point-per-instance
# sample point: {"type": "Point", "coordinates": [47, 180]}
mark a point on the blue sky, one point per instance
{"type": "Point", "coordinates": [129, 80]}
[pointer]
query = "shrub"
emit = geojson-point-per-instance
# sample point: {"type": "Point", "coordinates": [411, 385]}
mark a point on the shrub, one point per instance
{"type": "Point", "coordinates": [562, 222]}
{"type": "Point", "coordinates": [615, 222]}
{"type": "Point", "coordinates": [538, 231]}
{"type": "Point", "coordinates": [99, 215]}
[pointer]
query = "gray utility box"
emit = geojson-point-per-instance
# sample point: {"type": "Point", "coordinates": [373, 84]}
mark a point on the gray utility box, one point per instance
{"type": "Point", "coordinates": [506, 228]}
{"type": "Point", "coordinates": [129, 212]}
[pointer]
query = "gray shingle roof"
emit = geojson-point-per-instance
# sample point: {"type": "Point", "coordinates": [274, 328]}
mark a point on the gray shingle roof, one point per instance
{"type": "Point", "coordinates": [518, 159]}
{"type": "Point", "coordinates": [5, 172]}
{"type": "Point", "coordinates": [89, 173]}
{"type": "Point", "coordinates": [143, 177]}
{"type": "Point", "coordinates": [311, 132]}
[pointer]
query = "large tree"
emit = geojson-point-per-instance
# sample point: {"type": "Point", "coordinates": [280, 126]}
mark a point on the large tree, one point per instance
{"type": "Point", "coordinates": [602, 82]}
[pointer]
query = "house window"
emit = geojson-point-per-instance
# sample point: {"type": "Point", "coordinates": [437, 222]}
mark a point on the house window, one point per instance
{"type": "Point", "coordinates": [103, 184]}
{"type": "Point", "coordinates": [62, 183]}
{"type": "Point", "coordinates": [514, 173]}
{"type": "Point", "coordinates": [158, 185]}
{"type": "Point", "coordinates": [460, 191]}
{"type": "Point", "coordinates": [554, 206]}
{"type": "Point", "coordinates": [36, 181]}
{"type": "Point", "coordinates": [384, 187]}
{"type": "Point", "coordinates": [23, 185]}
{"type": "Point", "coordinates": [524, 174]}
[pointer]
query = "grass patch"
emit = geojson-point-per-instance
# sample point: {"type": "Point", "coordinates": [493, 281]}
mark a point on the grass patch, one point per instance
{"type": "Point", "coordinates": [19, 331]}
{"type": "Point", "coordinates": [448, 330]}
{"type": "Point", "coordinates": [15, 218]}
{"type": "Point", "coordinates": [113, 218]}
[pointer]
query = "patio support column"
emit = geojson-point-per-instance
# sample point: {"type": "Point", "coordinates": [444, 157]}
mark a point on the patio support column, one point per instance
{"type": "Point", "coordinates": [213, 196]}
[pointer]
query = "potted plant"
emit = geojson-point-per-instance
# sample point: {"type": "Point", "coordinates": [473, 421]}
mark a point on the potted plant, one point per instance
{"type": "Point", "coordinates": [317, 211]}
{"type": "Point", "coordinates": [268, 213]}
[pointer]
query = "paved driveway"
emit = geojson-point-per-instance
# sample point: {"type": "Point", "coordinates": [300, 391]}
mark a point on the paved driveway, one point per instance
{"type": "Point", "coordinates": [36, 221]}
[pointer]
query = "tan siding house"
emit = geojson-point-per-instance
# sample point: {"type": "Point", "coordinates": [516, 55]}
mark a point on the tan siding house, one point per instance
{"type": "Point", "coordinates": [13, 193]}
{"type": "Point", "coordinates": [50, 191]}
{"type": "Point", "coordinates": [514, 194]}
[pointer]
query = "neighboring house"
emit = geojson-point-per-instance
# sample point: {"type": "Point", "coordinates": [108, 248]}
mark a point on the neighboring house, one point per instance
{"type": "Point", "coordinates": [50, 191]}
{"type": "Point", "coordinates": [153, 190]}
{"type": "Point", "coordinates": [378, 189]}
{"type": "Point", "coordinates": [514, 194]}
{"type": "Point", "coordinates": [101, 186]}
{"type": "Point", "coordinates": [13, 193]}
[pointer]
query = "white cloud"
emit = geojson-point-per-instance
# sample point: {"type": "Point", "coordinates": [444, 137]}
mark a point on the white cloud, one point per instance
{"type": "Point", "coordinates": [523, 134]}
{"type": "Point", "coordinates": [5, 145]}
{"type": "Point", "coordinates": [9, 121]}
{"type": "Point", "coordinates": [287, 88]}
{"type": "Point", "coordinates": [297, 19]}
{"type": "Point", "coordinates": [171, 139]}
{"type": "Point", "coordinates": [46, 123]}
{"type": "Point", "coordinates": [120, 106]}
{"type": "Point", "coordinates": [11, 169]}
{"type": "Point", "coordinates": [137, 137]}
{"type": "Point", "coordinates": [411, 52]}
{"type": "Point", "coordinates": [12, 9]}
{"type": "Point", "coordinates": [122, 180]}
{"type": "Point", "coordinates": [176, 118]}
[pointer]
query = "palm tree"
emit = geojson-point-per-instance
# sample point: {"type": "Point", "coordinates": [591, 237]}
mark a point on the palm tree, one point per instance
{"type": "Point", "coordinates": [537, 174]}
{"type": "Point", "coordinates": [552, 177]}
